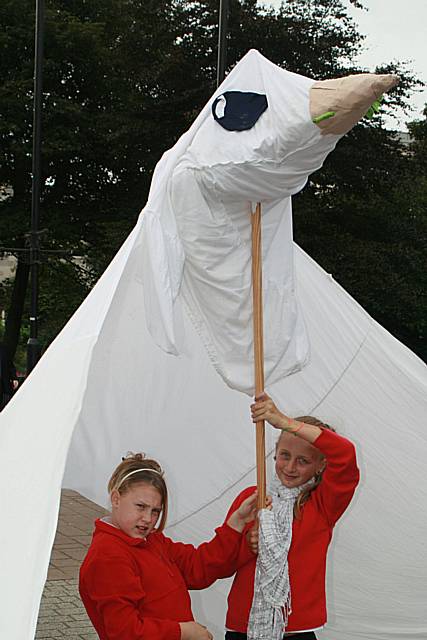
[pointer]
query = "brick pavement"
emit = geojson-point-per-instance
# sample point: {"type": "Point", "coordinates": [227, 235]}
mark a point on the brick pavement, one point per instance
{"type": "Point", "coordinates": [62, 614]}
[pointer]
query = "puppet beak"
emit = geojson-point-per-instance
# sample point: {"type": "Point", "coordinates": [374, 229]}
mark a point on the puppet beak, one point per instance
{"type": "Point", "coordinates": [337, 105]}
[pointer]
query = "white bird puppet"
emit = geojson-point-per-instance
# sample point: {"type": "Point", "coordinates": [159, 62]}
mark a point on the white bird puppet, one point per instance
{"type": "Point", "coordinates": [259, 138]}
{"type": "Point", "coordinates": [104, 387]}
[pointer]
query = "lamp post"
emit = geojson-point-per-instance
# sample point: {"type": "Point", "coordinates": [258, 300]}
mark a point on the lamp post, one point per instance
{"type": "Point", "coordinates": [222, 41]}
{"type": "Point", "coordinates": [33, 346]}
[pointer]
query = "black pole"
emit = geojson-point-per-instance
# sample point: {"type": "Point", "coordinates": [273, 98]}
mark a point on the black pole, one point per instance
{"type": "Point", "coordinates": [33, 346]}
{"type": "Point", "coordinates": [222, 41]}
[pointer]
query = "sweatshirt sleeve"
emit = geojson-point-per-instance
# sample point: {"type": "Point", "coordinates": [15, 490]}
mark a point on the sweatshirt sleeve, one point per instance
{"type": "Point", "coordinates": [115, 590]}
{"type": "Point", "coordinates": [215, 559]}
{"type": "Point", "coordinates": [245, 554]}
{"type": "Point", "coordinates": [341, 475]}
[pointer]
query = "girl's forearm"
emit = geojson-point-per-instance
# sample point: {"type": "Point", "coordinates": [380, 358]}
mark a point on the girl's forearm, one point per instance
{"type": "Point", "coordinates": [305, 431]}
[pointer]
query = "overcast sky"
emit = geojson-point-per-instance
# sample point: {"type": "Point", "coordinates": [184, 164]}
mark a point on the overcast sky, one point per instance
{"type": "Point", "coordinates": [395, 30]}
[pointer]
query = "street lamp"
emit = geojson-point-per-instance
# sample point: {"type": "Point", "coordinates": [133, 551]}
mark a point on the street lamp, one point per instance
{"type": "Point", "coordinates": [222, 41]}
{"type": "Point", "coordinates": [33, 346]}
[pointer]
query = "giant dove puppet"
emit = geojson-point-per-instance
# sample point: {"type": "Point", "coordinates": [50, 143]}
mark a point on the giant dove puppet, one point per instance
{"type": "Point", "coordinates": [136, 368]}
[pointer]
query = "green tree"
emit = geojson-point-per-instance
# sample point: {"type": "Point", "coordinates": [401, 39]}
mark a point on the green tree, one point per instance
{"type": "Point", "coordinates": [123, 79]}
{"type": "Point", "coordinates": [108, 114]}
{"type": "Point", "coordinates": [362, 217]}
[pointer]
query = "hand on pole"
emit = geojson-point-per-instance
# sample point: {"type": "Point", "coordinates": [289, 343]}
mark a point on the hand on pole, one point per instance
{"type": "Point", "coordinates": [264, 409]}
{"type": "Point", "coordinates": [244, 514]}
{"type": "Point", "coordinates": [252, 535]}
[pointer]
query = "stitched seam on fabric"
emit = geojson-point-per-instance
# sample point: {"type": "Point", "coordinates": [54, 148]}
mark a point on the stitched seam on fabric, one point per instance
{"type": "Point", "coordinates": [344, 371]}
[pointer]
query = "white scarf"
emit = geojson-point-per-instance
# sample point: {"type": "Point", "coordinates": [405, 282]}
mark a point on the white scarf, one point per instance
{"type": "Point", "coordinates": [271, 604]}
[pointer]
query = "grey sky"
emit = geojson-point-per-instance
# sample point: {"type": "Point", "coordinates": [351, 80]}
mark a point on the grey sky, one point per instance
{"type": "Point", "coordinates": [395, 30]}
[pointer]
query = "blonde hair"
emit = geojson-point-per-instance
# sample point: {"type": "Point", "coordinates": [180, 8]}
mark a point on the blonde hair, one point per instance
{"type": "Point", "coordinates": [305, 493]}
{"type": "Point", "coordinates": [140, 470]}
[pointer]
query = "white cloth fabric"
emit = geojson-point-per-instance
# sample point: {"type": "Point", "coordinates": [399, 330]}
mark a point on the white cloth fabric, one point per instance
{"type": "Point", "coordinates": [103, 388]}
{"type": "Point", "coordinates": [271, 603]}
{"type": "Point", "coordinates": [197, 238]}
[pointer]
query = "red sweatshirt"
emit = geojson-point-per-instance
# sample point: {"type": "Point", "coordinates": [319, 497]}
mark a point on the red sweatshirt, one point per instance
{"type": "Point", "coordinates": [311, 535]}
{"type": "Point", "coordinates": [136, 589]}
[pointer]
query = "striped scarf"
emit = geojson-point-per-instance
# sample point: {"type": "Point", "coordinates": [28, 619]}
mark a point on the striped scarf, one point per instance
{"type": "Point", "coordinates": [271, 603]}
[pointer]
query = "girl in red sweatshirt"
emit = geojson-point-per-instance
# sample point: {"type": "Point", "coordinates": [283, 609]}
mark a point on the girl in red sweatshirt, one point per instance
{"type": "Point", "coordinates": [316, 475]}
{"type": "Point", "coordinates": [134, 580]}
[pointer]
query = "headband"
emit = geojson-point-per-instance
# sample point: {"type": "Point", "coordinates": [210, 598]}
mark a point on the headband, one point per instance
{"type": "Point", "coordinates": [137, 471]}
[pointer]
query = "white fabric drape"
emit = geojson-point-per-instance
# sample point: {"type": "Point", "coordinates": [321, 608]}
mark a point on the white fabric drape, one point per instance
{"type": "Point", "coordinates": [104, 387]}
{"type": "Point", "coordinates": [197, 227]}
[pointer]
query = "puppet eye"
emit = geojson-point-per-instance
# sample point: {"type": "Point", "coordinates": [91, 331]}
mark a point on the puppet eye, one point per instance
{"type": "Point", "coordinates": [239, 110]}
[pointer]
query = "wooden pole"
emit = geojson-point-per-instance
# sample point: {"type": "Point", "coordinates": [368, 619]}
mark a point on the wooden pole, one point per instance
{"type": "Point", "coordinates": [258, 348]}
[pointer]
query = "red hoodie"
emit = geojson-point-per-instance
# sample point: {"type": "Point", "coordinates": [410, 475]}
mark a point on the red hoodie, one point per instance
{"type": "Point", "coordinates": [134, 588]}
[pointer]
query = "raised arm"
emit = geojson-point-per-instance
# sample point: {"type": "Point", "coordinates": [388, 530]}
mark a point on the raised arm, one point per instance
{"type": "Point", "coordinates": [217, 558]}
{"type": "Point", "coordinates": [341, 475]}
{"type": "Point", "coordinates": [264, 409]}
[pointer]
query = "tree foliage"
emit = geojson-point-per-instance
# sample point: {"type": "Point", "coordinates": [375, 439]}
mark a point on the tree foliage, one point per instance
{"type": "Point", "coordinates": [371, 236]}
{"type": "Point", "coordinates": [124, 78]}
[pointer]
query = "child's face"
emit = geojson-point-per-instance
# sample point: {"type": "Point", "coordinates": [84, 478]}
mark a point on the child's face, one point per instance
{"type": "Point", "coordinates": [296, 461]}
{"type": "Point", "coordinates": [136, 511]}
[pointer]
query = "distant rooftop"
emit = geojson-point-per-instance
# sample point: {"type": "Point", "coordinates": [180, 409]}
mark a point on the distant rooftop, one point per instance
{"type": "Point", "coordinates": [7, 267]}
{"type": "Point", "coordinates": [404, 137]}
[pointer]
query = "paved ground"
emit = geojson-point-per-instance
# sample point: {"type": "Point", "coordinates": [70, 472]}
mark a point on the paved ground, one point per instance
{"type": "Point", "coordinates": [61, 613]}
